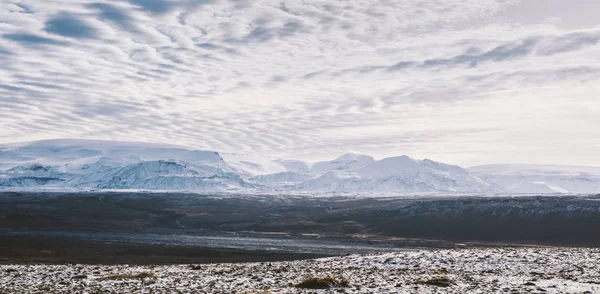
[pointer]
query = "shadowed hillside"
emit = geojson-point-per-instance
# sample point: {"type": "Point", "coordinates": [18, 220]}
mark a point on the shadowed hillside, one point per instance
{"type": "Point", "coordinates": [542, 220]}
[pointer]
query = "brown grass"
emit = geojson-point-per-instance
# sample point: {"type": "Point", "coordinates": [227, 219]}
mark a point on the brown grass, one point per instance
{"type": "Point", "coordinates": [439, 282]}
{"type": "Point", "coordinates": [322, 283]}
{"type": "Point", "coordinates": [139, 276]}
{"type": "Point", "coordinates": [79, 277]}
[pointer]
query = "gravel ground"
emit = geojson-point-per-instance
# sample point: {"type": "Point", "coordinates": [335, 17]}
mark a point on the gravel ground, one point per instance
{"type": "Point", "coordinates": [497, 270]}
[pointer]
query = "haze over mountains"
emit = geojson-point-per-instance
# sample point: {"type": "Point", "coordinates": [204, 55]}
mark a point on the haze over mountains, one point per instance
{"type": "Point", "coordinates": [90, 165]}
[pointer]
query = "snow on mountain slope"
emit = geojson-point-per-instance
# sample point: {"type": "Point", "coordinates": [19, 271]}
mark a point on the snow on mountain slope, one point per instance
{"type": "Point", "coordinates": [282, 179]}
{"type": "Point", "coordinates": [32, 174]}
{"type": "Point", "coordinates": [535, 188]}
{"type": "Point", "coordinates": [262, 165]}
{"type": "Point", "coordinates": [333, 181]}
{"type": "Point", "coordinates": [348, 161]}
{"type": "Point", "coordinates": [114, 165]}
{"type": "Point", "coordinates": [33, 169]}
{"type": "Point", "coordinates": [296, 166]}
{"type": "Point", "coordinates": [400, 165]}
{"type": "Point", "coordinates": [89, 164]}
{"type": "Point", "coordinates": [398, 174]}
{"type": "Point", "coordinates": [73, 154]}
{"type": "Point", "coordinates": [253, 165]}
{"type": "Point", "coordinates": [524, 178]}
{"type": "Point", "coordinates": [169, 175]}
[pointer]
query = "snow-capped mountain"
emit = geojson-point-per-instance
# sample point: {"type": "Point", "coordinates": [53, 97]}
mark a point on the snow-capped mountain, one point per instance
{"type": "Point", "coordinates": [32, 174]}
{"type": "Point", "coordinates": [528, 178]}
{"type": "Point", "coordinates": [88, 164]}
{"type": "Point", "coordinates": [398, 174]}
{"type": "Point", "coordinates": [282, 179]}
{"type": "Point", "coordinates": [348, 161]}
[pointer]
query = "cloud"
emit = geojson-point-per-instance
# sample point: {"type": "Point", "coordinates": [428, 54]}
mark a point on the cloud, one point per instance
{"type": "Point", "coordinates": [4, 52]}
{"type": "Point", "coordinates": [401, 65]}
{"type": "Point", "coordinates": [42, 85]}
{"type": "Point", "coordinates": [105, 109]}
{"type": "Point", "coordinates": [211, 46]}
{"type": "Point", "coordinates": [69, 25]}
{"type": "Point", "coordinates": [154, 6]}
{"type": "Point", "coordinates": [455, 80]}
{"type": "Point", "coordinates": [25, 8]}
{"type": "Point", "coordinates": [30, 39]}
{"type": "Point", "coordinates": [531, 46]}
{"type": "Point", "coordinates": [569, 42]}
{"type": "Point", "coordinates": [112, 13]}
{"type": "Point", "coordinates": [500, 53]}
{"type": "Point", "coordinates": [263, 33]}
{"type": "Point", "coordinates": [158, 7]}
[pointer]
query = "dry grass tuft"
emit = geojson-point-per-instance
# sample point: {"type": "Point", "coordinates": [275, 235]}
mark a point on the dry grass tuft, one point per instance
{"type": "Point", "coordinates": [322, 283]}
{"type": "Point", "coordinates": [79, 277]}
{"type": "Point", "coordinates": [439, 282]}
{"type": "Point", "coordinates": [139, 276]}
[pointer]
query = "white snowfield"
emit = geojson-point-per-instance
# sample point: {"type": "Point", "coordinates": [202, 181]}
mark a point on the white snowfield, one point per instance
{"type": "Point", "coordinates": [108, 165]}
{"type": "Point", "coordinates": [496, 270]}
{"type": "Point", "coordinates": [524, 178]}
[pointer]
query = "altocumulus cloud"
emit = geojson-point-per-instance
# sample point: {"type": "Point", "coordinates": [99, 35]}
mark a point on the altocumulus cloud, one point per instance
{"type": "Point", "coordinates": [462, 81]}
{"type": "Point", "coordinates": [112, 13]}
{"type": "Point", "coordinates": [31, 39]}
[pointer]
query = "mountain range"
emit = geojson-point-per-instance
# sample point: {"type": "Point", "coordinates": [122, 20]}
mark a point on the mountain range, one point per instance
{"type": "Point", "coordinates": [110, 165]}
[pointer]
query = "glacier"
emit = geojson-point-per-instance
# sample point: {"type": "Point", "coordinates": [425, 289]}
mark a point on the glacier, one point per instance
{"type": "Point", "coordinates": [112, 165]}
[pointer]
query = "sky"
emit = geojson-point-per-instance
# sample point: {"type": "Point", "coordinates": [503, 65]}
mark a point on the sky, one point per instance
{"type": "Point", "coordinates": [466, 82]}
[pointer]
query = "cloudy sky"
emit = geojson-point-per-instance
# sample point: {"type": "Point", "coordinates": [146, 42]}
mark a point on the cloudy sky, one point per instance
{"type": "Point", "coordinates": [460, 81]}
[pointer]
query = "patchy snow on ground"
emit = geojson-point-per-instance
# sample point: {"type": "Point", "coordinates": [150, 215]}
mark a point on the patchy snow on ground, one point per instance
{"type": "Point", "coordinates": [495, 270]}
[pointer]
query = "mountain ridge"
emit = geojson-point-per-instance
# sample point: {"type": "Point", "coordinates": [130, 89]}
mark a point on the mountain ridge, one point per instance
{"type": "Point", "coordinates": [96, 164]}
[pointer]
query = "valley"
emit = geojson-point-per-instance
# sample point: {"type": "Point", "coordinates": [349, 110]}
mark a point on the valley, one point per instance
{"type": "Point", "coordinates": [312, 226]}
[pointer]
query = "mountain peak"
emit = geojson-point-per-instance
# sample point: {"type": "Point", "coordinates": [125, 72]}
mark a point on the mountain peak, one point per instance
{"type": "Point", "coordinates": [402, 159]}
{"type": "Point", "coordinates": [353, 157]}
{"type": "Point", "coordinates": [392, 165]}
{"type": "Point", "coordinates": [349, 161]}
{"type": "Point", "coordinates": [91, 164]}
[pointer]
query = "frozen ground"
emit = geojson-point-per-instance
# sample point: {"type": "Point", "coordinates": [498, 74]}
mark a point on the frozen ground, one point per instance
{"type": "Point", "coordinates": [496, 270]}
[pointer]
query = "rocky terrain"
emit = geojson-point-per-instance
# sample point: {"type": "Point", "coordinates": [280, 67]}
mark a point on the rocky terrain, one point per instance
{"type": "Point", "coordinates": [495, 270]}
